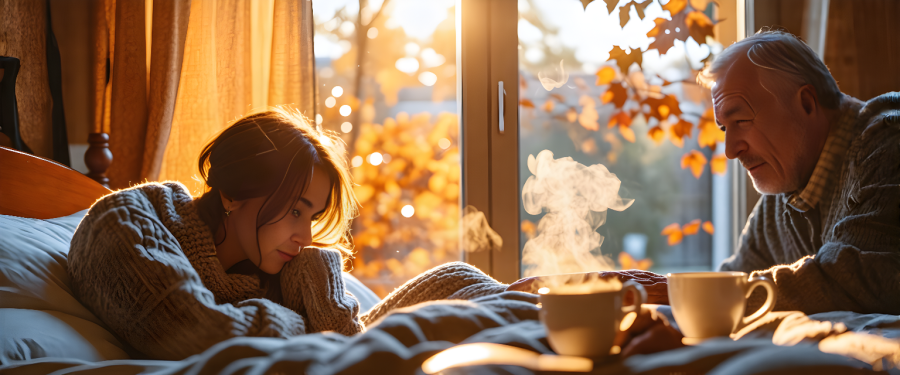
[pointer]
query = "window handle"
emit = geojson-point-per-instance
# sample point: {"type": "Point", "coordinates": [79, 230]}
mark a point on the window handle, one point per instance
{"type": "Point", "coordinates": [501, 95]}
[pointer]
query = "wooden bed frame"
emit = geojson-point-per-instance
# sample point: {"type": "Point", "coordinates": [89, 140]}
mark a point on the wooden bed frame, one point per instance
{"type": "Point", "coordinates": [38, 188]}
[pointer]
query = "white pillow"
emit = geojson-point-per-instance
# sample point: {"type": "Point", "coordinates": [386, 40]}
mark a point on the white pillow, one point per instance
{"type": "Point", "coordinates": [39, 317]}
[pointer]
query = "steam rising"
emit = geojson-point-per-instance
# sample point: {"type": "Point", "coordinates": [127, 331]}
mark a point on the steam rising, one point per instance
{"type": "Point", "coordinates": [477, 234]}
{"type": "Point", "coordinates": [575, 198]}
{"type": "Point", "coordinates": [550, 83]}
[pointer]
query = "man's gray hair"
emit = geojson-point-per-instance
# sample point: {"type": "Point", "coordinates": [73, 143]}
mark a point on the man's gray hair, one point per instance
{"type": "Point", "coordinates": [781, 52]}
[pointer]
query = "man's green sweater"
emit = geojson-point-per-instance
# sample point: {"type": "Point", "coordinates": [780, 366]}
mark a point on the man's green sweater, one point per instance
{"type": "Point", "coordinates": [843, 254]}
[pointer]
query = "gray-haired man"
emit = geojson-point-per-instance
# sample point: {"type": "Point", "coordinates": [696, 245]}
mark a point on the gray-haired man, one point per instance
{"type": "Point", "coordinates": [827, 228]}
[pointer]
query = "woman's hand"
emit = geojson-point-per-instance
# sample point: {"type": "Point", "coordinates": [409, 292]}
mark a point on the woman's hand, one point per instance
{"type": "Point", "coordinates": [654, 284]}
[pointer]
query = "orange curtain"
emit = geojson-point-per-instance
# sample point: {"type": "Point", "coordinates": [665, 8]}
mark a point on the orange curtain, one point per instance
{"type": "Point", "coordinates": [210, 62]}
{"type": "Point", "coordinates": [23, 31]}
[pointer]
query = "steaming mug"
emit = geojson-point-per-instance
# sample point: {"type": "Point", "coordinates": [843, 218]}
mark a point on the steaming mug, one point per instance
{"type": "Point", "coordinates": [586, 324]}
{"type": "Point", "coordinates": [711, 304]}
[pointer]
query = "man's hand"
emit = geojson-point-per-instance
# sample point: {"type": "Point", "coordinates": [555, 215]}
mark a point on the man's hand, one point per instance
{"type": "Point", "coordinates": [654, 284]}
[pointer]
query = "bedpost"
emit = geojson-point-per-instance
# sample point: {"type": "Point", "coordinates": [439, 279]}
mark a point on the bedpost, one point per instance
{"type": "Point", "coordinates": [98, 157]}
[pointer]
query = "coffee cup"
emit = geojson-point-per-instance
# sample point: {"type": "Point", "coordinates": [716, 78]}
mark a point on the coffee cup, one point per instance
{"type": "Point", "coordinates": [586, 324]}
{"type": "Point", "coordinates": [712, 304]}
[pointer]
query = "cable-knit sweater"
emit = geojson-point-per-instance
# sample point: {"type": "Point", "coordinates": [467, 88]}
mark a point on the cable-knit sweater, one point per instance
{"type": "Point", "coordinates": [843, 254]}
{"type": "Point", "coordinates": [146, 265]}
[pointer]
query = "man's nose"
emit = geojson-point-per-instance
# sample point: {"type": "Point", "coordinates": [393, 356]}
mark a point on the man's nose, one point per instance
{"type": "Point", "coordinates": [734, 143]}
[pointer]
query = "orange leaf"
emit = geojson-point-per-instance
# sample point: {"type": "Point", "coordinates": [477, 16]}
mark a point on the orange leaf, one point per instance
{"type": "Point", "coordinates": [627, 133]}
{"type": "Point", "coordinates": [662, 108]}
{"type": "Point", "coordinates": [695, 160]}
{"type": "Point", "coordinates": [699, 26]}
{"type": "Point", "coordinates": [526, 103]}
{"type": "Point", "coordinates": [607, 97]}
{"type": "Point", "coordinates": [589, 116]}
{"type": "Point", "coordinates": [708, 227]}
{"type": "Point", "coordinates": [616, 94]}
{"type": "Point", "coordinates": [671, 228]}
{"type": "Point", "coordinates": [605, 75]}
{"type": "Point", "coordinates": [673, 231]}
{"type": "Point", "coordinates": [558, 98]}
{"type": "Point", "coordinates": [710, 134]}
{"type": "Point", "coordinates": [644, 264]}
{"type": "Point", "coordinates": [571, 115]}
{"type": "Point", "coordinates": [718, 164]}
{"type": "Point", "coordinates": [624, 60]}
{"type": "Point", "coordinates": [620, 119]}
{"type": "Point", "coordinates": [548, 106]}
{"type": "Point", "coordinates": [656, 134]}
{"type": "Point", "coordinates": [626, 261]}
{"type": "Point", "coordinates": [528, 228]}
{"type": "Point", "coordinates": [691, 228]}
{"type": "Point", "coordinates": [675, 6]}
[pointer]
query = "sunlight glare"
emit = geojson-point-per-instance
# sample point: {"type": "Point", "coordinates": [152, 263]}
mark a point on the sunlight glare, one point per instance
{"type": "Point", "coordinates": [444, 143]}
{"type": "Point", "coordinates": [337, 91]}
{"type": "Point", "coordinates": [411, 49]}
{"type": "Point", "coordinates": [330, 102]}
{"type": "Point", "coordinates": [428, 78]}
{"type": "Point", "coordinates": [372, 33]}
{"type": "Point", "coordinates": [319, 119]}
{"type": "Point", "coordinates": [347, 28]}
{"type": "Point", "coordinates": [407, 211]}
{"type": "Point", "coordinates": [345, 110]}
{"type": "Point", "coordinates": [432, 59]}
{"type": "Point", "coordinates": [375, 158]}
{"type": "Point", "coordinates": [408, 65]}
{"type": "Point", "coordinates": [356, 161]}
{"type": "Point", "coordinates": [544, 290]}
{"type": "Point", "coordinates": [346, 127]}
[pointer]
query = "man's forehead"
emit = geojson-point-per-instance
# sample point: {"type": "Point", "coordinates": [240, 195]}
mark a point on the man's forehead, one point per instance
{"type": "Point", "coordinates": [734, 86]}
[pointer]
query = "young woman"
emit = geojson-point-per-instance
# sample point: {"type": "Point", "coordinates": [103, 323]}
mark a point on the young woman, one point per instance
{"type": "Point", "coordinates": [260, 253]}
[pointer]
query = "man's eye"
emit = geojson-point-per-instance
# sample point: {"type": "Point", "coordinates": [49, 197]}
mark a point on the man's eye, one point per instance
{"type": "Point", "coordinates": [739, 122]}
{"type": "Point", "coordinates": [296, 213]}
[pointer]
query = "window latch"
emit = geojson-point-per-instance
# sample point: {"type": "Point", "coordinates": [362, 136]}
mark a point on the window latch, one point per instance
{"type": "Point", "coordinates": [501, 95]}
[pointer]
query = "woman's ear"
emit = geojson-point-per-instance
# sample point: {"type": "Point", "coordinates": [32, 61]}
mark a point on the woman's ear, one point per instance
{"type": "Point", "coordinates": [229, 203]}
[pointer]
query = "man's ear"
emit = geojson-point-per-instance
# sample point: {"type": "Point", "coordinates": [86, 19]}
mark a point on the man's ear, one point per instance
{"type": "Point", "coordinates": [809, 100]}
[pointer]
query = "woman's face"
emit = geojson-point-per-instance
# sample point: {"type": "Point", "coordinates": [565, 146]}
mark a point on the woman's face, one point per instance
{"type": "Point", "coordinates": [281, 240]}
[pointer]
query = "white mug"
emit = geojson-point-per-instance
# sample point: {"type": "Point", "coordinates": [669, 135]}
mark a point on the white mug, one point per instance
{"type": "Point", "coordinates": [712, 304]}
{"type": "Point", "coordinates": [586, 324]}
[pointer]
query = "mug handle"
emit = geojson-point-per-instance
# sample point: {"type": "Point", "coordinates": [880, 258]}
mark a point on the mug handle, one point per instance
{"type": "Point", "coordinates": [640, 296]}
{"type": "Point", "coordinates": [751, 284]}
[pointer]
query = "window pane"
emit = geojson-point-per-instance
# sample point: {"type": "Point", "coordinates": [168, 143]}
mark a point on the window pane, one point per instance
{"type": "Point", "coordinates": [388, 86]}
{"type": "Point", "coordinates": [581, 97]}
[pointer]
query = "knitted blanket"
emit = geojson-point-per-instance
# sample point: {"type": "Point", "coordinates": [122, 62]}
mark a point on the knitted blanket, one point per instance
{"type": "Point", "coordinates": [145, 264]}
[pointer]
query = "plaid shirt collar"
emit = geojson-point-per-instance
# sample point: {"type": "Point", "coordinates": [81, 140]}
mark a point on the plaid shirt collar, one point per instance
{"type": "Point", "coordinates": [830, 160]}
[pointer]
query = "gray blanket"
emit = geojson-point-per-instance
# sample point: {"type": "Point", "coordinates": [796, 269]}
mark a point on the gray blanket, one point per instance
{"type": "Point", "coordinates": [402, 341]}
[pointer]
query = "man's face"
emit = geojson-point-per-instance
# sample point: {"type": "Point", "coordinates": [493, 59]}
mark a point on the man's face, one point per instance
{"type": "Point", "coordinates": [771, 136]}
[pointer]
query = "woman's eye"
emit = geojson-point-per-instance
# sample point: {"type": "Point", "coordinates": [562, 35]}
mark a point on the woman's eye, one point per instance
{"type": "Point", "coordinates": [739, 122]}
{"type": "Point", "coordinates": [296, 213]}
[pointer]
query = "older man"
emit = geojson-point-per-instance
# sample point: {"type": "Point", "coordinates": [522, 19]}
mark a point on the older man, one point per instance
{"type": "Point", "coordinates": [827, 229]}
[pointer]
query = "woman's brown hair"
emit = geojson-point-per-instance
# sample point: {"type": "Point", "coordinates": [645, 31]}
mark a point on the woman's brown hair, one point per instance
{"type": "Point", "coordinates": [272, 154]}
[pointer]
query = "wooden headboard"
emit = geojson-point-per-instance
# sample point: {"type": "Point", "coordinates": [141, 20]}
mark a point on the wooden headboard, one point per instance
{"type": "Point", "coordinates": [42, 189]}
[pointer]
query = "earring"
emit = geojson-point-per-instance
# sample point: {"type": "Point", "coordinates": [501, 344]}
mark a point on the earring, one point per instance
{"type": "Point", "coordinates": [227, 213]}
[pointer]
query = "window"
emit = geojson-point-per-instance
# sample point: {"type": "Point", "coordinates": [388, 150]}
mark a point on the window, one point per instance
{"type": "Point", "coordinates": [419, 91]}
{"type": "Point", "coordinates": [387, 83]}
{"type": "Point", "coordinates": [568, 90]}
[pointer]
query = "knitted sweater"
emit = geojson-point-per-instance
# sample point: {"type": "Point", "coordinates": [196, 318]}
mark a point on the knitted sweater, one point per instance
{"type": "Point", "coordinates": [146, 265]}
{"type": "Point", "coordinates": [844, 253]}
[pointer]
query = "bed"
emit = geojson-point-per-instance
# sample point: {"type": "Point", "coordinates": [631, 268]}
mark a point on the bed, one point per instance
{"type": "Point", "coordinates": [44, 329]}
